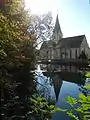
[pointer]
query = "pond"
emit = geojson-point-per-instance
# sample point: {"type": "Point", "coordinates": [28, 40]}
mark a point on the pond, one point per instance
{"type": "Point", "coordinates": [57, 86]}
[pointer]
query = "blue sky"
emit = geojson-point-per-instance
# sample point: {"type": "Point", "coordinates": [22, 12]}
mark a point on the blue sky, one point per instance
{"type": "Point", "coordinates": [74, 15]}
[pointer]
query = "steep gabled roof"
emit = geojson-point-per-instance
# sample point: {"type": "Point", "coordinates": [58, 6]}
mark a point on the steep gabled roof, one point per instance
{"type": "Point", "coordinates": [57, 25]}
{"type": "Point", "coordinates": [57, 28]}
{"type": "Point", "coordinates": [71, 42]}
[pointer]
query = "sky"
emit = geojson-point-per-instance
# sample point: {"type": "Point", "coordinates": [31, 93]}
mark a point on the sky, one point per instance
{"type": "Point", "coordinates": [74, 15]}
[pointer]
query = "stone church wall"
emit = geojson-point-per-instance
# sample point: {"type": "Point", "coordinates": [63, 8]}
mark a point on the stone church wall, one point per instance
{"type": "Point", "coordinates": [73, 53]}
{"type": "Point", "coordinates": [85, 47]}
{"type": "Point", "coordinates": [67, 53]}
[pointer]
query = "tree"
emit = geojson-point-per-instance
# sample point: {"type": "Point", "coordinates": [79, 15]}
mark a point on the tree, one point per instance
{"type": "Point", "coordinates": [42, 26]}
{"type": "Point", "coordinates": [16, 60]}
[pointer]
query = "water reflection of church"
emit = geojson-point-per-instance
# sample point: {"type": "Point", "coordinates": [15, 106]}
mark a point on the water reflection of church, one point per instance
{"type": "Point", "coordinates": [58, 78]}
{"type": "Point", "coordinates": [60, 48]}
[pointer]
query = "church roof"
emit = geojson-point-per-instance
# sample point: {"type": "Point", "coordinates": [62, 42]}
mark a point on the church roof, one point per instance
{"type": "Point", "coordinates": [57, 26]}
{"type": "Point", "coordinates": [71, 42]}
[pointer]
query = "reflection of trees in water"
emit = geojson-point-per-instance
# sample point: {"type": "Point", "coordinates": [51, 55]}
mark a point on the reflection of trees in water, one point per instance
{"type": "Point", "coordinates": [44, 86]}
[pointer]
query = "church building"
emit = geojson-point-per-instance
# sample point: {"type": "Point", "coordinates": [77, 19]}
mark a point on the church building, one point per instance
{"type": "Point", "coordinates": [64, 48]}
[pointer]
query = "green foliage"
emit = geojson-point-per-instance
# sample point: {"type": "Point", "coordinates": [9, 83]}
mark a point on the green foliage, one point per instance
{"type": "Point", "coordinates": [69, 113]}
{"type": "Point", "coordinates": [87, 74]}
{"type": "Point", "coordinates": [71, 100]}
{"type": "Point", "coordinates": [17, 60]}
{"type": "Point", "coordinates": [80, 108]}
{"type": "Point", "coordinates": [41, 108]}
{"type": "Point", "coordinates": [87, 86]}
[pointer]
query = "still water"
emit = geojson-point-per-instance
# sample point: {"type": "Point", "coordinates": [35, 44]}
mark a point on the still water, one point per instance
{"type": "Point", "coordinates": [57, 87]}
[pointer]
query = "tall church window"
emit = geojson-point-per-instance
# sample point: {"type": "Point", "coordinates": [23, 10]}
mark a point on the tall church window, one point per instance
{"type": "Point", "coordinates": [76, 53]}
{"type": "Point", "coordinates": [61, 53]}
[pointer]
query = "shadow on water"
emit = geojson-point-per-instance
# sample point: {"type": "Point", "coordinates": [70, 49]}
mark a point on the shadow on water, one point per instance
{"type": "Point", "coordinates": [57, 86]}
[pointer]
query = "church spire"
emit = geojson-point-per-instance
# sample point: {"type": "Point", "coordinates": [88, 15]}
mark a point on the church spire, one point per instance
{"type": "Point", "coordinates": [57, 33]}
